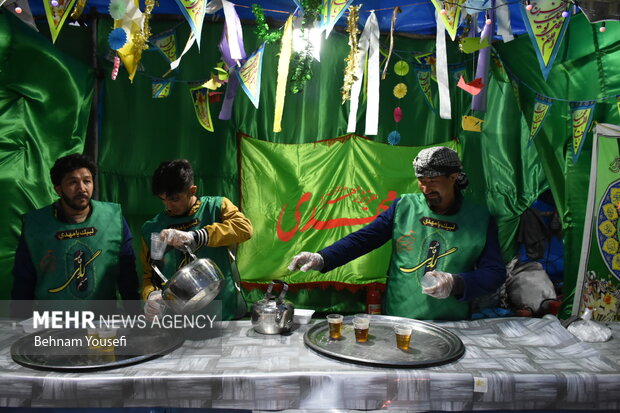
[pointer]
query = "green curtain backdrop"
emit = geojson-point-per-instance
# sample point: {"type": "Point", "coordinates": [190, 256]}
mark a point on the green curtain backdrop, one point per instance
{"type": "Point", "coordinates": [45, 98]}
{"type": "Point", "coordinates": [138, 132]}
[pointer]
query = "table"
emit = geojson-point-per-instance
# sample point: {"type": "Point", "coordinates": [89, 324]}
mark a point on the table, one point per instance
{"type": "Point", "coordinates": [511, 363]}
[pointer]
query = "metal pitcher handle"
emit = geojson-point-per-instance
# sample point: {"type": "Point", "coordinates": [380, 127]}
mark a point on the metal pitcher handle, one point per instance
{"type": "Point", "coordinates": [284, 289]}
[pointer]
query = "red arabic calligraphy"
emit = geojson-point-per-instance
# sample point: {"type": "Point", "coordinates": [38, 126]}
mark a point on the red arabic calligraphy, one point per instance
{"type": "Point", "coordinates": [286, 236]}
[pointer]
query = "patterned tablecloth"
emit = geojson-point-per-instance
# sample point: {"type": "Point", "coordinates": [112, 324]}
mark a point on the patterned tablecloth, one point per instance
{"type": "Point", "coordinates": [515, 363]}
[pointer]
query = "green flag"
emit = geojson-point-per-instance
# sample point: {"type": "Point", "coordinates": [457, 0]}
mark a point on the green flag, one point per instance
{"type": "Point", "coordinates": [599, 272]}
{"type": "Point", "coordinates": [305, 197]}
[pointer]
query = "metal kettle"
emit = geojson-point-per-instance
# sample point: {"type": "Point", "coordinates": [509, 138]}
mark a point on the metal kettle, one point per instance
{"type": "Point", "coordinates": [273, 316]}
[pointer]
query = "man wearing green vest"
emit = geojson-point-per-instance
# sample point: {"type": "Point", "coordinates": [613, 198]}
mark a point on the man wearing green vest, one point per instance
{"type": "Point", "coordinates": [455, 244]}
{"type": "Point", "coordinates": [76, 248]}
{"type": "Point", "coordinates": [208, 225]}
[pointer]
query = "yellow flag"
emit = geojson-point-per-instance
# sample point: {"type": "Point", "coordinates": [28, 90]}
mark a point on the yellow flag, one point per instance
{"type": "Point", "coordinates": [56, 15]}
{"type": "Point", "coordinates": [132, 23]}
{"type": "Point", "coordinates": [471, 123]}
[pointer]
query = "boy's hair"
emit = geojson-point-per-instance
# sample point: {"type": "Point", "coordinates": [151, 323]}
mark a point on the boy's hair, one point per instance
{"type": "Point", "coordinates": [172, 177]}
{"type": "Point", "coordinates": [70, 163]}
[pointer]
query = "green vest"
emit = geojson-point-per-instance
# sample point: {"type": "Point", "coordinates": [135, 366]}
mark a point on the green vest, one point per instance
{"type": "Point", "coordinates": [75, 261]}
{"type": "Point", "coordinates": [208, 213]}
{"type": "Point", "coordinates": [422, 241]}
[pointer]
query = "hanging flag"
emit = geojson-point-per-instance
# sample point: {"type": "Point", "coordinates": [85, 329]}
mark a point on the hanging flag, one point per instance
{"type": "Point", "coordinates": [306, 211]}
{"type": "Point", "coordinates": [546, 28]}
{"type": "Point", "coordinates": [428, 59]}
{"type": "Point", "coordinates": [335, 10]}
{"type": "Point", "coordinates": [161, 88]}
{"type": "Point", "coordinates": [452, 16]}
{"type": "Point", "coordinates": [249, 75]}
{"type": "Point", "coordinates": [200, 97]}
{"type": "Point", "coordinates": [368, 49]}
{"type": "Point", "coordinates": [581, 114]}
{"type": "Point", "coordinates": [194, 12]}
{"type": "Point", "coordinates": [166, 43]}
{"type": "Point", "coordinates": [598, 274]}
{"type": "Point", "coordinates": [541, 108]}
{"type": "Point", "coordinates": [283, 66]}
{"type": "Point", "coordinates": [56, 15]}
{"type": "Point", "coordinates": [423, 73]}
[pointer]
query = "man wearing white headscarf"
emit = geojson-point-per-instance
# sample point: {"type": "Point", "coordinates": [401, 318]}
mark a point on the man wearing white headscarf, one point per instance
{"type": "Point", "coordinates": [456, 245]}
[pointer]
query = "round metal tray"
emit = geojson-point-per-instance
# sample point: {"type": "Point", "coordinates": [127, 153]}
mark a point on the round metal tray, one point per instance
{"type": "Point", "coordinates": [141, 345]}
{"type": "Point", "coordinates": [430, 344]}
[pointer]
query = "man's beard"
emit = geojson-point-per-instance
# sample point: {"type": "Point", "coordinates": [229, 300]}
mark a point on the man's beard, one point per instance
{"type": "Point", "coordinates": [433, 201]}
{"type": "Point", "coordinates": [73, 204]}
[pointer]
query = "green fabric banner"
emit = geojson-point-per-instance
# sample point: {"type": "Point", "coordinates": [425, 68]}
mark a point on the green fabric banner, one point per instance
{"type": "Point", "coordinates": [599, 271]}
{"type": "Point", "coordinates": [305, 197]}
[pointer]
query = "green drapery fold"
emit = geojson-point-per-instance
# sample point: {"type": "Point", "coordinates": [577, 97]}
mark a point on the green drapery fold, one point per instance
{"type": "Point", "coordinates": [45, 99]}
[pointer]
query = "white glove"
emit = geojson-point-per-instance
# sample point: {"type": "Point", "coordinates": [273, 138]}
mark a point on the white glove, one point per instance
{"type": "Point", "coordinates": [178, 239]}
{"type": "Point", "coordinates": [306, 261]}
{"type": "Point", "coordinates": [154, 305]}
{"type": "Point", "coordinates": [442, 289]}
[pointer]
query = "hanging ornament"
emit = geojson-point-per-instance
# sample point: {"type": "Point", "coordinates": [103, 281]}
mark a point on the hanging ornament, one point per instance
{"type": "Point", "coordinates": [117, 38]}
{"type": "Point", "coordinates": [398, 114]}
{"type": "Point", "coordinates": [302, 61]}
{"type": "Point", "coordinates": [117, 9]}
{"type": "Point", "coordinates": [351, 59]}
{"type": "Point", "coordinates": [394, 138]}
{"type": "Point", "coordinates": [401, 68]}
{"type": "Point", "coordinates": [262, 28]}
{"type": "Point", "coordinates": [117, 63]}
{"type": "Point", "coordinates": [400, 90]}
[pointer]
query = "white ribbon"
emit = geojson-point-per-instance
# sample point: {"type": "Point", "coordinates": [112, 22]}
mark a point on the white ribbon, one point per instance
{"type": "Point", "coordinates": [445, 111]}
{"type": "Point", "coordinates": [368, 44]}
{"type": "Point", "coordinates": [502, 14]}
{"type": "Point", "coordinates": [233, 30]}
{"type": "Point", "coordinates": [188, 45]}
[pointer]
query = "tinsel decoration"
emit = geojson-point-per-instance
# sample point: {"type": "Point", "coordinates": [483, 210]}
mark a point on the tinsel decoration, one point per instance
{"type": "Point", "coordinates": [140, 39]}
{"type": "Point", "coordinates": [117, 9]}
{"type": "Point", "coordinates": [262, 28]}
{"type": "Point", "coordinates": [117, 63]}
{"type": "Point", "coordinates": [117, 38]}
{"type": "Point", "coordinates": [394, 138]}
{"type": "Point", "coordinates": [351, 59]}
{"type": "Point", "coordinates": [78, 9]}
{"type": "Point", "coordinates": [302, 61]}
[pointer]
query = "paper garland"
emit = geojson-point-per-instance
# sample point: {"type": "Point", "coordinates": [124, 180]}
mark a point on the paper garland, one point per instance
{"type": "Point", "coordinates": [451, 17]}
{"type": "Point", "coordinates": [160, 88]}
{"type": "Point", "coordinates": [249, 75]}
{"type": "Point", "coordinates": [56, 15]}
{"type": "Point", "coordinates": [546, 27]}
{"type": "Point", "coordinates": [194, 12]}
{"type": "Point", "coordinates": [581, 115]}
{"type": "Point", "coordinates": [541, 108]}
{"type": "Point", "coordinates": [200, 97]}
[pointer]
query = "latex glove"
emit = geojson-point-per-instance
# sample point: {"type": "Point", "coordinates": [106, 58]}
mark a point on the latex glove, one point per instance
{"type": "Point", "coordinates": [178, 239]}
{"type": "Point", "coordinates": [154, 305]}
{"type": "Point", "coordinates": [306, 261]}
{"type": "Point", "coordinates": [442, 289]}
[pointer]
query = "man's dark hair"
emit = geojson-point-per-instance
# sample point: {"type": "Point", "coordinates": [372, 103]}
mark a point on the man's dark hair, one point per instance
{"type": "Point", "coordinates": [172, 177]}
{"type": "Point", "coordinates": [70, 163]}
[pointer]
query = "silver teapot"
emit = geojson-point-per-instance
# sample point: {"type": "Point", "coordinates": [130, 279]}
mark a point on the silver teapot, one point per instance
{"type": "Point", "coordinates": [193, 286]}
{"type": "Point", "coordinates": [273, 316]}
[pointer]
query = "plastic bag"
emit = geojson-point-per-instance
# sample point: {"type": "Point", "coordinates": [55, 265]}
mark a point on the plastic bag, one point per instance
{"type": "Point", "coordinates": [589, 330]}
